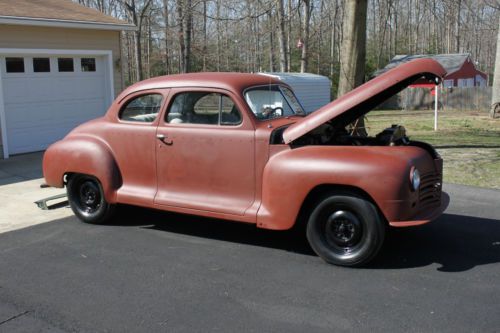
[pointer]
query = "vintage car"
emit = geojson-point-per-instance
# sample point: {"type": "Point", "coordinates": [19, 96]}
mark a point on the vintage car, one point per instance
{"type": "Point", "coordinates": [238, 147]}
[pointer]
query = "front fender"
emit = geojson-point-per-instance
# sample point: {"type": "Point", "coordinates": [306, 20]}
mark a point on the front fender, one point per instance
{"type": "Point", "coordinates": [85, 155]}
{"type": "Point", "coordinates": [380, 172]}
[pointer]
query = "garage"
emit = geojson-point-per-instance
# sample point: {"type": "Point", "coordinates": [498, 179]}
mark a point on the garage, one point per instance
{"type": "Point", "coordinates": [46, 96]}
{"type": "Point", "coordinates": [60, 65]}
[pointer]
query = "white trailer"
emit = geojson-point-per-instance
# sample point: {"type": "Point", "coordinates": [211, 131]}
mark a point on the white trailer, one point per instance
{"type": "Point", "coordinates": [312, 90]}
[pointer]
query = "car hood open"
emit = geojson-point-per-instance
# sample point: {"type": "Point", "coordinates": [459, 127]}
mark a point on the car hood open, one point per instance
{"type": "Point", "coordinates": [364, 98]}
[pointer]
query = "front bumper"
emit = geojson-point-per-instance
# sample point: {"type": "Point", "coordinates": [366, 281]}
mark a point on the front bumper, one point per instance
{"type": "Point", "coordinates": [425, 216]}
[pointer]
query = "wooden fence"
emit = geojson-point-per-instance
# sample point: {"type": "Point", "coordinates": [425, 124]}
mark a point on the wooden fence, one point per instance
{"type": "Point", "coordinates": [470, 98]}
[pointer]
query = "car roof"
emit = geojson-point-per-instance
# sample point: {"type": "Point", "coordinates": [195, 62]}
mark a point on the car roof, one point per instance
{"type": "Point", "coordinates": [231, 81]}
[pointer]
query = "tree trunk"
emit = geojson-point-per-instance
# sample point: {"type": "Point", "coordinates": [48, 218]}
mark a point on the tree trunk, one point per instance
{"type": "Point", "coordinates": [182, 46]}
{"type": "Point", "coordinates": [271, 42]}
{"type": "Point", "coordinates": [495, 96]}
{"type": "Point", "coordinates": [219, 33]}
{"type": "Point", "coordinates": [149, 48]}
{"type": "Point", "coordinates": [205, 48]}
{"type": "Point", "coordinates": [457, 27]}
{"type": "Point", "coordinates": [281, 36]}
{"type": "Point", "coordinates": [289, 37]}
{"type": "Point", "coordinates": [137, 19]}
{"type": "Point", "coordinates": [305, 36]}
{"type": "Point", "coordinates": [138, 55]}
{"type": "Point", "coordinates": [165, 20]}
{"type": "Point", "coordinates": [353, 51]}
{"type": "Point", "coordinates": [187, 36]}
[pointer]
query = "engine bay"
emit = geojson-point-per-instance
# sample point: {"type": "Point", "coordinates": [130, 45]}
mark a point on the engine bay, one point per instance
{"type": "Point", "coordinates": [327, 134]}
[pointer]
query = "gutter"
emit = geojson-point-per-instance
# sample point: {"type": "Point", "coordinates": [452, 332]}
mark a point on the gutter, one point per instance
{"type": "Point", "coordinates": [46, 22]}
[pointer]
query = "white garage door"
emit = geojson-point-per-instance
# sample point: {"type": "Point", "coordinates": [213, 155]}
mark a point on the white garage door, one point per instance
{"type": "Point", "coordinates": [45, 97]}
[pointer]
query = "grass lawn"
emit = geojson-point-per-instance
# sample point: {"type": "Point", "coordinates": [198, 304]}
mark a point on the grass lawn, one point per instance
{"type": "Point", "coordinates": [469, 142]}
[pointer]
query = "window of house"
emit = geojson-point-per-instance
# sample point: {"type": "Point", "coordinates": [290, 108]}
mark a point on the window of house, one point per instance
{"type": "Point", "coordinates": [203, 108]}
{"type": "Point", "coordinates": [14, 65]}
{"type": "Point", "coordinates": [41, 65]}
{"type": "Point", "coordinates": [65, 64]}
{"type": "Point", "coordinates": [144, 108]}
{"type": "Point", "coordinates": [88, 64]}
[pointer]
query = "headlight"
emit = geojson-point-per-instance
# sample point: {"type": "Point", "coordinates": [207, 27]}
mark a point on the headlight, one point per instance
{"type": "Point", "coordinates": [414, 178]}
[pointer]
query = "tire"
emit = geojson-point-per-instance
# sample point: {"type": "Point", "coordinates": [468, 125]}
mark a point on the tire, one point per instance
{"type": "Point", "coordinates": [86, 199]}
{"type": "Point", "coordinates": [345, 230]}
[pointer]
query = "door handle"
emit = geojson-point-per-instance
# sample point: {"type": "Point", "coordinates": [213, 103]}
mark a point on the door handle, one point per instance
{"type": "Point", "coordinates": [163, 139]}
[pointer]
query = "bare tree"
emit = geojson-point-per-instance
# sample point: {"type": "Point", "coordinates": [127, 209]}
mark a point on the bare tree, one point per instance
{"type": "Point", "coordinates": [495, 99]}
{"type": "Point", "coordinates": [188, 12]}
{"type": "Point", "coordinates": [205, 36]}
{"type": "Point", "coordinates": [167, 45]}
{"type": "Point", "coordinates": [182, 45]}
{"type": "Point", "coordinates": [235, 35]}
{"type": "Point", "coordinates": [218, 33]}
{"type": "Point", "coordinates": [305, 35]}
{"type": "Point", "coordinates": [282, 36]}
{"type": "Point", "coordinates": [352, 58]}
{"type": "Point", "coordinates": [138, 15]}
{"type": "Point", "coordinates": [271, 41]}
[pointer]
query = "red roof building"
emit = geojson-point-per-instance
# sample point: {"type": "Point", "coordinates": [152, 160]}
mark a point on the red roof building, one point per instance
{"type": "Point", "coordinates": [461, 70]}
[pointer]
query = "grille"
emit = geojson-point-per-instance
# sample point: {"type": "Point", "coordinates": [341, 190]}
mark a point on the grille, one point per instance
{"type": "Point", "coordinates": [430, 190]}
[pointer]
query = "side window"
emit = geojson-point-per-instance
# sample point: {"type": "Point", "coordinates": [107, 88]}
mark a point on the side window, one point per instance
{"type": "Point", "coordinates": [144, 108]}
{"type": "Point", "coordinates": [203, 108]}
{"type": "Point", "coordinates": [206, 110]}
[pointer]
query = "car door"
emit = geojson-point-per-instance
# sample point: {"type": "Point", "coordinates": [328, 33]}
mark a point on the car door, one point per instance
{"type": "Point", "coordinates": [132, 138]}
{"type": "Point", "coordinates": [205, 153]}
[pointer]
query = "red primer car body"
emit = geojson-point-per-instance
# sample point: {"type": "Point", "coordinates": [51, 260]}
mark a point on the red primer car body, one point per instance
{"type": "Point", "coordinates": [261, 171]}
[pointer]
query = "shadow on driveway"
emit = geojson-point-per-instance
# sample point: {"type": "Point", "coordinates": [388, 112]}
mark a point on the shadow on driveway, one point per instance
{"type": "Point", "coordinates": [457, 243]}
{"type": "Point", "coordinates": [21, 168]}
{"type": "Point", "coordinates": [221, 230]}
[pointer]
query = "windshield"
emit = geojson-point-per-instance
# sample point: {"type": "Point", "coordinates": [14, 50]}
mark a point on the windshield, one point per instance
{"type": "Point", "coordinates": [273, 101]}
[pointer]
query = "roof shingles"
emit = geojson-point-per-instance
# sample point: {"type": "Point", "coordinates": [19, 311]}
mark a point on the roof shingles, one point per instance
{"type": "Point", "coordinates": [61, 10]}
{"type": "Point", "coordinates": [450, 62]}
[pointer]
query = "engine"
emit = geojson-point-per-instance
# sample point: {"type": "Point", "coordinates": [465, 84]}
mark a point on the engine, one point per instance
{"type": "Point", "coordinates": [327, 134]}
{"type": "Point", "coordinates": [393, 136]}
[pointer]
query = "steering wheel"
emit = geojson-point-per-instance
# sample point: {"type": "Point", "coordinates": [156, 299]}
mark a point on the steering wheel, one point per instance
{"type": "Point", "coordinates": [278, 108]}
{"type": "Point", "coordinates": [270, 113]}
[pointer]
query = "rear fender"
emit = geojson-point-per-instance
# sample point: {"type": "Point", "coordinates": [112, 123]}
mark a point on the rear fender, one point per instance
{"type": "Point", "coordinates": [83, 155]}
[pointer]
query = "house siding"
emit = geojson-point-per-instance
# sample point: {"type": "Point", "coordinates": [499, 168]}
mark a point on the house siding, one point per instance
{"type": "Point", "coordinates": [27, 37]}
{"type": "Point", "coordinates": [467, 71]}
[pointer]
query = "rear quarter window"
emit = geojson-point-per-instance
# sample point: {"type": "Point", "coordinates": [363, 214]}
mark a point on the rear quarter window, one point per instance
{"type": "Point", "coordinates": [142, 109]}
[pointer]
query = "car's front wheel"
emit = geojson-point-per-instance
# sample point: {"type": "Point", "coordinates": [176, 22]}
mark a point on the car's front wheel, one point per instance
{"type": "Point", "coordinates": [345, 230]}
{"type": "Point", "coordinates": [86, 198]}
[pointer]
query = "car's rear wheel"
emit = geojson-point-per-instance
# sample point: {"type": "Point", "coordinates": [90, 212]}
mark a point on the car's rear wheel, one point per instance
{"type": "Point", "coordinates": [345, 230]}
{"type": "Point", "coordinates": [86, 198]}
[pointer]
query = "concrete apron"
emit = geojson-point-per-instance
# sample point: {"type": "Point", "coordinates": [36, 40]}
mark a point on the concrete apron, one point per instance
{"type": "Point", "coordinates": [20, 180]}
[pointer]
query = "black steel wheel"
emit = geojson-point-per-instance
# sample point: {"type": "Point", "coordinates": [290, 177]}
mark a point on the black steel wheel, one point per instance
{"type": "Point", "coordinates": [345, 230]}
{"type": "Point", "coordinates": [86, 198]}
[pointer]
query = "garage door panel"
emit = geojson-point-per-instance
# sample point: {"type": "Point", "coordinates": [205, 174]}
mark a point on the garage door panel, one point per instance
{"type": "Point", "coordinates": [85, 87]}
{"type": "Point", "coordinates": [35, 115]}
{"type": "Point", "coordinates": [40, 90]}
{"type": "Point", "coordinates": [14, 89]}
{"type": "Point", "coordinates": [28, 133]}
{"type": "Point", "coordinates": [42, 108]}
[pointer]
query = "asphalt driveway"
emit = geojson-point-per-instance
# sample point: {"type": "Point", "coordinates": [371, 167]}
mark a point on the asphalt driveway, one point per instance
{"type": "Point", "coordinates": [157, 272]}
